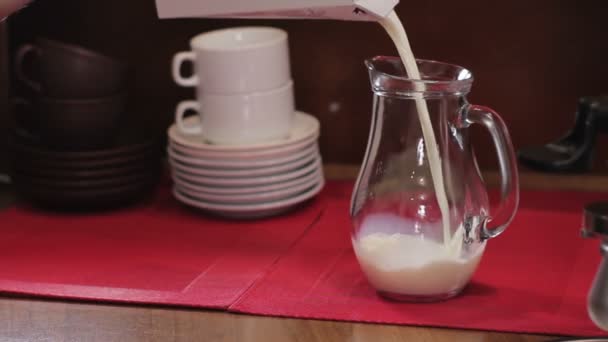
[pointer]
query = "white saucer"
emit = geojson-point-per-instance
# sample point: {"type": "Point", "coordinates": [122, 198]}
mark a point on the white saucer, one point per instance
{"type": "Point", "coordinates": [246, 155]}
{"type": "Point", "coordinates": [252, 198]}
{"type": "Point", "coordinates": [304, 127]}
{"type": "Point", "coordinates": [250, 211]}
{"type": "Point", "coordinates": [241, 163]}
{"type": "Point", "coordinates": [243, 190]}
{"type": "Point", "coordinates": [248, 181]}
{"type": "Point", "coordinates": [252, 172]}
{"type": "Point", "coordinates": [242, 172]}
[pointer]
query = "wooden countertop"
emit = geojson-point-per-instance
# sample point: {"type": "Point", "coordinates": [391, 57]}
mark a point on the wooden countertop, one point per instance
{"type": "Point", "coordinates": [26, 319]}
{"type": "Point", "coordinates": [37, 320]}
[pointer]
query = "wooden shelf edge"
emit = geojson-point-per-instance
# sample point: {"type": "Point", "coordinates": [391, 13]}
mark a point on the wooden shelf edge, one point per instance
{"type": "Point", "coordinates": [527, 179]}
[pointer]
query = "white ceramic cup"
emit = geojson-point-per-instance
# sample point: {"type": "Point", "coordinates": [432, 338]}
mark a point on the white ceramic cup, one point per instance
{"type": "Point", "coordinates": [236, 60]}
{"type": "Point", "coordinates": [240, 119]}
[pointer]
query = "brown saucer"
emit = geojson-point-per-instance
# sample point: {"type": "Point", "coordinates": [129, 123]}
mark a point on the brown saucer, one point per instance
{"type": "Point", "coordinates": [87, 174]}
{"type": "Point", "coordinates": [22, 160]}
{"type": "Point", "coordinates": [89, 199]}
{"type": "Point", "coordinates": [84, 184]}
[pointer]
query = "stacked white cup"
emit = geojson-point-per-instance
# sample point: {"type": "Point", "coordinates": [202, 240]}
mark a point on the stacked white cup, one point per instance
{"type": "Point", "coordinates": [244, 85]}
{"type": "Point", "coordinates": [249, 153]}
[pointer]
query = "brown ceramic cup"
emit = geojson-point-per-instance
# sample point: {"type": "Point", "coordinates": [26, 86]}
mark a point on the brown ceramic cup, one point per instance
{"type": "Point", "coordinates": [77, 125]}
{"type": "Point", "coordinates": [69, 71]}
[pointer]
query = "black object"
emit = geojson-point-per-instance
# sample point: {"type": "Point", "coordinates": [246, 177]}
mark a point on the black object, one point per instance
{"type": "Point", "coordinates": [595, 219]}
{"type": "Point", "coordinates": [574, 151]}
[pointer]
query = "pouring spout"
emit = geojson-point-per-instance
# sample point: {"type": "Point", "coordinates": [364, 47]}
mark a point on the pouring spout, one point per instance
{"type": "Point", "coordinates": [377, 8]}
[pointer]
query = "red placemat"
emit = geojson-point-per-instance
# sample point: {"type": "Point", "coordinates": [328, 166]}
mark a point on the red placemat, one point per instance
{"type": "Point", "coordinates": [534, 278]}
{"type": "Point", "coordinates": [157, 253]}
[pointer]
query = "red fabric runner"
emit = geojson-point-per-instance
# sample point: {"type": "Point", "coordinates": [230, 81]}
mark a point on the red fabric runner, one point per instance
{"type": "Point", "coordinates": [158, 253]}
{"type": "Point", "coordinates": [534, 278]}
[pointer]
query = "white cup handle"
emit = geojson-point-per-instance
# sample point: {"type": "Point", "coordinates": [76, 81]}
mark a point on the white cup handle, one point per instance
{"type": "Point", "coordinates": [182, 108]}
{"type": "Point", "coordinates": [178, 60]}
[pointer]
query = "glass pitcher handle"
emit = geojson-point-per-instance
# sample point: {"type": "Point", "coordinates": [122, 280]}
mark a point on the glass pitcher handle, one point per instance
{"type": "Point", "coordinates": [509, 188]}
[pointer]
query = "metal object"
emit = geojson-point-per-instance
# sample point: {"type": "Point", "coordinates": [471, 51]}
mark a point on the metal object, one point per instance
{"type": "Point", "coordinates": [595, 225]}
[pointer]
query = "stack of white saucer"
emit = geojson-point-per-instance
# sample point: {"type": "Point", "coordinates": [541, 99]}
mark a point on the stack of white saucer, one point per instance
{"type": "Point", "coordinates": [247, 181]}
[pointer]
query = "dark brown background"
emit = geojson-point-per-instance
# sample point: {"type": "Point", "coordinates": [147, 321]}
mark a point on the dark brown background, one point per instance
{"type": "Point", "coordinates": [4, 87]}
{"type": "Point", "coordinates": [531, 59]}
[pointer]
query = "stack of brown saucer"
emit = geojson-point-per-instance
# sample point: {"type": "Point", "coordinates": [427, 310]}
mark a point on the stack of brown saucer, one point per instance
{"type": "Point", "coordinates": [72, 149]}
{"type": "Point", "coordinates": [96, 179]}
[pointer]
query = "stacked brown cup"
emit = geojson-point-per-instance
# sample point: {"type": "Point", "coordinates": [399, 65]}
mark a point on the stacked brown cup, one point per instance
{"type": "Point", "coordinates": [70, 149]}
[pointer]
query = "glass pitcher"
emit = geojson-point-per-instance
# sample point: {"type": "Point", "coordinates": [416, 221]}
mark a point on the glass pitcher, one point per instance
{"type": "Point", "coordinates": [409, 246]}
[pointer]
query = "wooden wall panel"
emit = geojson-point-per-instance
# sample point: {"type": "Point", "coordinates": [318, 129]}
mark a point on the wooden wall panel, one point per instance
{"type": "Point", "coordinates": [4, 105]}
{"type": "Point", "coordinates": [531, 59]}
